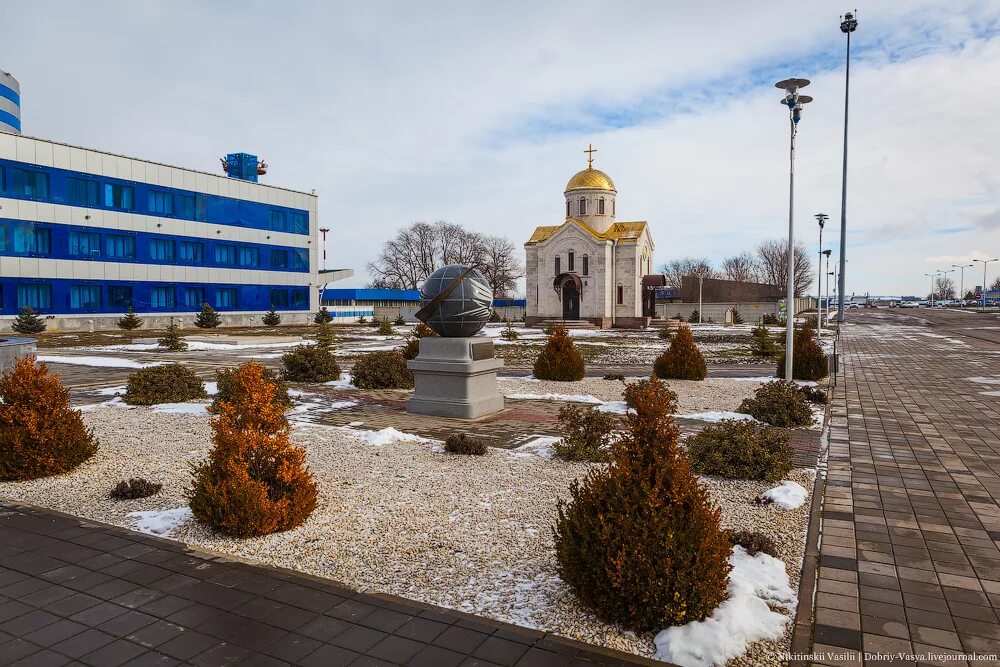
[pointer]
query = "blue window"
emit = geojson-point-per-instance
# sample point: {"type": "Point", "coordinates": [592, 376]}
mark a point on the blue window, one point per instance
{"type": "Point", "coordinates": [162, 297]}
{"type": "Point", "coordinates": [279, 259]}
{"type": "Point", "coordinates": [279, 221]}
{"type": "Point", "coordinates": [85, 244]}
{"type": "Point", "coordinates": [84, 297]}
{"type": "Point", "coordinates": [119, 196]}
{"type": "Point", "coordinates": [119, 245]}
{"type": "Point", "coordinates": [279, 298]}
{"type": "Point", "coordinates": [226, 297]}
{"type": "Point", "coordinates": [300, 298]}
{"type": "Point", "coordinates": [161, 203]}
{"type": "Point", "coordinates": [119, 296]}
{"type": "Point", "coordinates": [32, 240]}
{"type": "Point", "coordinates": [298, 223]}
{"type": "Point", "coordinates": [3, 179]}
{"type": "Point", "coordinates": [194, 296]}
{"type": "Point", "coordinates": [192, 207]}
{"type": "Point", "coordinates": [84, 192]}
{"type": "Point", "coordinates": [190, 252]}
{"type": "Point", "coordinates": [249, 256]}
{"type": "Point", "coordinates": [3, 237]}
{"type": "Point", "coordinates": [39, 297]}
{"type": "Point", "coordinates": [300, 259]}
{"type": "Point", "coordinates": [30, 184]}
{"type": "Point", "coordinates": [225, 255]}
{"type": "Point", "coordinates": [161, 250]}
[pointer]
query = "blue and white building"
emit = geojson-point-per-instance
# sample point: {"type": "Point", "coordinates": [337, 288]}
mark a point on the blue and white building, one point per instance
{"type": "Point", "coordinates": [84, 234]}
{"type": "Point", "coordinates": [10, 104]}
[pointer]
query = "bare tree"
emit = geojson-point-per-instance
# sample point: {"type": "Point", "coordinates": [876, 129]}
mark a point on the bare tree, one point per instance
{"type": "Point", "coordinates": [944, 288]}
{"type": "Point", "coordinates": [996, 285]}
{"type": "Point", "coordinates": [741, 269]}
{"type": "Point", "coordinates": [676, 269]}
{"type": "Point", "coordinates": [421, 248]}
{"type": "Point", "coordinates": [772, 257]}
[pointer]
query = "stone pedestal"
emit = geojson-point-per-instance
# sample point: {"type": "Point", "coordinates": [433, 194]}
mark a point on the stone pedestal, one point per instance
{"type": "Point", "coordinates": [455, 377]}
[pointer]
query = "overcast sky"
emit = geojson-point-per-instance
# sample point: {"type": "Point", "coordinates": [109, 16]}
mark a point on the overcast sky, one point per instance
{"type": "Point", "coordinates": [478, 113]}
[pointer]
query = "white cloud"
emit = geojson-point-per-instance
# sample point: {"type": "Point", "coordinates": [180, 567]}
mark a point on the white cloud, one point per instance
{"type": "Point", "coordinates": [478, 113]}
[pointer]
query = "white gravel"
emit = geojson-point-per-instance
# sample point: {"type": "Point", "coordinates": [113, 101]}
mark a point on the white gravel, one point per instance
{"type": "Point", "coordinates": [470, 533]}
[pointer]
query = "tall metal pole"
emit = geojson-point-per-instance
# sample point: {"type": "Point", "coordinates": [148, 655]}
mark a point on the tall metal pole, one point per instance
{"type": "Point", "coordinates": [931, 276]}
{"type": "Point", "coordinates": [700, 278]}
{"type": "Point", "coordinates": [847, 26]}
{"type": "Point", "coordinates": [985, 263]}
{"type": "Point", "coordinates": [821, 219]}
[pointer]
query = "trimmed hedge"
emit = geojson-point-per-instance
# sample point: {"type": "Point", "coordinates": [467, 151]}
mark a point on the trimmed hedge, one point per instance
{"type": "Point", "coordinates": [740, 449]}
{"type": "Point", "coordinates": [310, 363]}
{"type": "Point", "coordinates": [169, 383]}
{"type": "Point", "coordinates": [559, 360]}
{"type": "Point", "coordinates": [682, 360]}
{"type": "Point", "coordinates": [778, 403]}
{"type": "Point", "coordinates": [381, 370]}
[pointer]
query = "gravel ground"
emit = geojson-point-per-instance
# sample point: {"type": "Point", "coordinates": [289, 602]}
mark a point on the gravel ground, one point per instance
{"type": "Point", "coordinates": [470, 533]}
{"type": "Point", "coordinates": [712, 394]}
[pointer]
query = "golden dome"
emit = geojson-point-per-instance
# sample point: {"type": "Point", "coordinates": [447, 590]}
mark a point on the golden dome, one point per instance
{"type": "Point", "coordinates": [591, 179]}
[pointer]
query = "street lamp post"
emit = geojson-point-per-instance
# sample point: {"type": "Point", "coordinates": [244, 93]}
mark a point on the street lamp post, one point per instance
{"type": "Point", "coordinates": [944, 274]}
{"type": "Point", "coordinates": [961, 283]}
{"type": "Point", "coordinates": [828, 252]}
{"type": "Point", "coordinates": [985, 262]}
{"type": "Point", "coordinates": [821, 218]}
{"type": "Point", "coordinates": [700, 278]}
{"type": "Point", "coordinates": [847, 25]}
{"type": "Point", "coordinates": [794, 102]}
{"type": "Point", "coordinates": [324, 231]}
{"type": "Point", "coordinates": [931, 276]}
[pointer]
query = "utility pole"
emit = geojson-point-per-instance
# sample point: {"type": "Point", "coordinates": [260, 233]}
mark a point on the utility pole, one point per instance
{"type": "Point", "coordinates": [848, 25]}
{"type": "Point", "coordinates": [821, 218]}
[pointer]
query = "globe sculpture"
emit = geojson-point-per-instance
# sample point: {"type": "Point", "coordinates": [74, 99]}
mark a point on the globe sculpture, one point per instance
{"type": "Point", "coordinates": [456, 301]}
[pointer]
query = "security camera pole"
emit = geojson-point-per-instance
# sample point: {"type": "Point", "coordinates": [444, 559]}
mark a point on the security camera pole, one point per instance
{"type": "Point", "coordinates": [794, 102]}
{"type": "Point", "coordinates": [848, 25]}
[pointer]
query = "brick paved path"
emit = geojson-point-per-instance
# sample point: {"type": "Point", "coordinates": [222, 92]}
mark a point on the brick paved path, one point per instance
{"type": "Point", "coordinates": [909, 555]}
{"type": "Point", "coordinates": [76, 592]}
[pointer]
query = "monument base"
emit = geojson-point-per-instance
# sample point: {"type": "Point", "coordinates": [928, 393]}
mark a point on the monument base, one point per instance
{"type": "Point", "coordinates": [455, 377]}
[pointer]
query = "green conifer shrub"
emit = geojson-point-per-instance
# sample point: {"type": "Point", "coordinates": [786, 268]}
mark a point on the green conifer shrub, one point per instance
{"type": "Point", "coordinates": [207, 318]}
{"type": "Point", "coordinates": [271, 318]}
{"type": "Point", "coordinates": [130, 321]}
{"type": "Point", "coordinates": [778, 403]}
{"type": "Point", "coordinates": [694, 316]}
{"type": "Point", "coordinates": [381, 370]}
{"type": "Point", "coordinates": [763, 344]}
{"type": "Point", "coordinates": [172, 340]}
{"type": "Point", "coordinates": [682, 360]}
{"type": "Point", "coordinates": [310, 363]}
{"type": "Point", "coordinates": [740, 449]}
{"type": "Point", "coordinates": [323, 316]}
{"type": "Point", "coordinates": [167, 383]}
{"type": "Point", "coordinates": [808, 359]}
{"type": "Point", "coordinates": [385, 328]}
{"type": "Point", "coordinates": [463, 443]}
{"type": "Point", "coordinates": [559, 360]}
{"type": "Point", "coordinates": [587, 433]}
{"type": "Point", "coordinates": [28, 322]}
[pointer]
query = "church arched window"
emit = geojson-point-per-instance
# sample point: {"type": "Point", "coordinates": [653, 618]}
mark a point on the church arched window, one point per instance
{"type": "Point", "coordinates": [557, 265]}
{"type": "Point", "coordinates": [567, 208]}
{"type": "Point", "coordinates": [583, 206]}
{"type": "Point", "coordinates": [600, 206]}
{"type": "Point", "coordinates": [570, 261]}
{"type": "Point", "coordinates": [612, 207]}
{"type": "Point", "coordinates": [586, 265]}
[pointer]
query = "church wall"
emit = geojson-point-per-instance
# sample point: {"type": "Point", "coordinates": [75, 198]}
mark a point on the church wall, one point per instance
{"type": "Point", "coordinates": [531, 281]}
{"type": "Point", "coordinates": [599, 223]}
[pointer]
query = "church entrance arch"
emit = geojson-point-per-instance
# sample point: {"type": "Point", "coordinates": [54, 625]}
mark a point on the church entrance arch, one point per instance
{"type": "Point", "coordinates": [568, 286]}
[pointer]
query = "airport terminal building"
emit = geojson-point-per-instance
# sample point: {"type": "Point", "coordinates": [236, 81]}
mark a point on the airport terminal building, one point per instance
{"type": "Point", "coordinates": [85, 234]}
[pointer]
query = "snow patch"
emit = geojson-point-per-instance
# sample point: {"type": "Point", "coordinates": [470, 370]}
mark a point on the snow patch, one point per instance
{"type": "Point", "coordinates": [743, 618]}
{"type": "Point", "coordinates": [162, 522]}
{"type": "Point", "coordinates": [100, 362]}
{"type": "Point", "coordinates": [573, 398]}
{"type": "Point", "coordinates": [200, 409]}
{"type": "Point", "coordinates": [615, 408]}
{"type": "Point", "coordinates": [715, 417]}
{"type": "Point", "coordinates": [985, 380]}
{"type": "Point", "coordinates": [340, 405]}
{"type": "Point", "coordinates": [790, 495]}
{"type": "Point", "coordinates": [343, 383]}
{"type": "Point", "coordinates": [543, 446]}
{"type": "Point", "coordinates": [211, 388]}
{"type": "Point", "coordinates": [385, 436]}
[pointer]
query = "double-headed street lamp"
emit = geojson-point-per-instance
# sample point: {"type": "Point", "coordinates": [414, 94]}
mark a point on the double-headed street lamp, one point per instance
{"type": "Point", "coordinates": [794, 102]}
{"type": "Point", "coordinates": [944, 283]}
{"type": "Point", "coordinates": [932, 276]}
{"type": "Point", "coordinates": [985, 262]}
{"type": "Point", "coordinates": [821, 218]}
{"type": "Point", "coordinates": [961, 283]}
{"type": "Point", "coordinates": [827, 252]}
{"type": "Point", "coordinates": [848, 24]}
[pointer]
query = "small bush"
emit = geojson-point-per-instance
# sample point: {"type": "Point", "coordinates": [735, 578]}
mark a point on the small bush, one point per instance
{"type": "Point", "coordinates": [399, 321]}
{"type": "Point", "coordinates": [682, 360]}
{"type": "Point", "coordinates": [652, 386]}
{"type": "Point", "coordinates": [587, 433]}
{"type": "Point", "coordinates": [271, 318]}
{"type": "Point", "coordinates": [509, 333]}
{"type": "Point", "coordinates": [740, 449]}
{"type": "Point", "coordinates": [322, 316]}
{"type": "Point", "coordinates": [614, 376]}
{"type": "Point", "coordinates": [753, 541]}
{"type": "Point", "coordinates": [376, 323]}
{"type": "Point", "coordinates": [325, 338]}
{"type": "Point", "coordinates": [778, 403]}
{"type": "Point", "coordinates": [28, 322]}
{"type": "Point", "coordinates": [254, 481]}
{"type": "Point", "coordinates": [130, 321]}
{"type": "Point", "coordinates": [362, 320]}
{"type": "Point", "coordinates": [560, 360]}
{"type": "Point", "coordinates": [763, 344]}
{"type": "Point", "coordinates": [229, 388]}
{"type": "Point", "coordinates": [814, 394]}
{"type": "Point", "coordinates": [463, 443]}
{"type": "Point", "coordinates": [666, 333]}
{"type": "Point", "coordinates": [640, 541]}
{"type": "Point", "coordinates": [133, 489]}
{"type": "Point", "coordinates": [310, 363]}
{"type": "Point", "coordinates": [772, 320]}
{"type": "Point", "coordinates": [381, 370]}
{"type": "Point", "coordinates": [385, 328]}
{"type": "Point", "coordinates": [808, 359]}
{"type": "Point", "coordinates": [694, 316]}
{"type": "Point", "coordinates": [40, 435]}
{"type": "Point", "coordinates": [737, 317]}
{"type": "Point", "coordinates": [173, 340]}
{"type": "Point", "coordinates": [169, 383]}
{"type": "Point", "coordinates": [207, 318]}
{"type": "Point", "coordinates": [412, 347]}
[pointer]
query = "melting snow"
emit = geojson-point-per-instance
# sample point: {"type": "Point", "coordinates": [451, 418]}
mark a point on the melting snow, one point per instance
{"type": "Point", "coordinates": [615, 407]}
{"type": "Point", "coordinates": [717, 416]}
{"type": "Point", "coordinates": [542, 446]}
{"type": "Point", "coordinates": [182, 408]}
{"type": "Point", "coordinates": [162, 522]}
{"type": "Point", "coordinates": [385, 436]}
{"type": "Point", "coordinates": [574, 398]}
{"type": "Point", "coordinates": [340, 405]}
{"type": "Point", "coordinates": [790, 495]}
{"type": "Point", "coordinates": [102, 362]}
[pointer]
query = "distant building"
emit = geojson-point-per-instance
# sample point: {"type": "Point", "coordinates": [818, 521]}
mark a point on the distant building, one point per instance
{"type": "Point", "coordinates": [719, 290]}
{"type": "Point", "coordinates": [346, 303]}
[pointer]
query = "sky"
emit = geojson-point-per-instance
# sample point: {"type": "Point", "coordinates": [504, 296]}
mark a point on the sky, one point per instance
{"type": "Point", "coordinates": [478, 114]}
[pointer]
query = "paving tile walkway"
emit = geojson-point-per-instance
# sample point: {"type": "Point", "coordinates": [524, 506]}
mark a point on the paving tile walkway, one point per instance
{"type": "Point", "coordinates": [81, 593]}
{"type": "Point", "coordinates": [909, 560]}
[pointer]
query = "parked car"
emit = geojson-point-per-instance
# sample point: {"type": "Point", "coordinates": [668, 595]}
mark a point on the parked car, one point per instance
{"type": "Point", "coordinates": [909, 304]}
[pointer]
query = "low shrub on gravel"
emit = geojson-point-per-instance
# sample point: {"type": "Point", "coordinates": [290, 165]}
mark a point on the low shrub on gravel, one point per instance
{"type": "Point", "coordinates": [310, 363]}
{"type": "Point", "coordinates": [587, 433]}
{"type": "Point", "coordinates": [254, 481]}
{"type": "Point", "coordinates": [412, 347]}
{"type": "Point", "coordinates": [682, 360]}
{"type": "Point", "coordinates": [169, 383]}
{"type": "Point", "coordinates": [753, 541]}
{"type": "Point", "coordinates": [763, 344]}
{"type": "Point", "coordinates": [134, 488]}
{"type": "Point", "coordinates": [609, 537]}
{"type": "Point", "coordinates": [40, 435]}
{"type": "Point", "coordinates": [381, 370]}
{"type": "Point", "coordinates": [808, 359]}
{"type": "Point", "coordinates": [229, 387]}
{"type": "Point", "coordinates": [635, 391]}
{"type": "Point", "coordinates": [385, 328]}
{"type": "Point", "coordinates": [740, 449]}
{"type": "Point", "coordinates": [614, 376]}
{"type": "Point", "coordinates": [559, 360]}
{"type": "Point", "coordinates": [814, 394]}
{"type": "Point", "coordinates": [463, 443]}
{"type": "Point", "coordinates": [778, 403]}
{"type": "Point", "coordinates": [172, 340]}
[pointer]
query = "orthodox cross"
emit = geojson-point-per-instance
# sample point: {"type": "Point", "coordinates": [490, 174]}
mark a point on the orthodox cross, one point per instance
{"type": "Point", "coordinates": [590, 155]}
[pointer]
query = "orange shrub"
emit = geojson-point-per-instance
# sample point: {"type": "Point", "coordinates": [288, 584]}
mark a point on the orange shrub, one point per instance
{"type": "Point", "coordinates": [40, 435]}
{"type": "Point", "coordinates": [559, 359]}
{"type": "Point", "coordinates": [640, 542]}
{"type": "Point", "coordinates": [682, 360]}
{"type": "Point", "coordinates": [254, 481]}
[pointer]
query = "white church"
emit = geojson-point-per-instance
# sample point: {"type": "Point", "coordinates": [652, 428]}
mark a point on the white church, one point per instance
{"type": "Point", "coordinates": [590, 267]}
